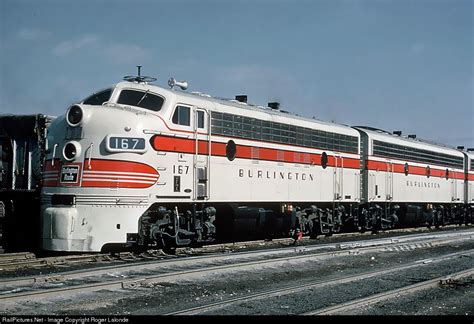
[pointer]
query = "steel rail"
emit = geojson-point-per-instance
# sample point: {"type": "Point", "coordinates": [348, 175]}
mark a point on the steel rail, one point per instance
{"type": "Point", "coordinates": [344, 249]}
{"type": "Point", "coordinates": [28, 260]}
{"type": "Point", "coordinates": [313, 285]}
{"type": "Point", "coordinates": [14, 261]}
{"type": "Point", "coordinates": [19, 256]}
{"type": "Point", "coordinates": [177, 274]}
{"type": "Point", "coordinates": [32, 261]}
{"type": "Point", "coordinates": [370, 300]}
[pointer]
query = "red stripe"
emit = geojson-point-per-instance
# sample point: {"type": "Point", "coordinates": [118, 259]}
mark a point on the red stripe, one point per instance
{"type": "Point", "coordinates": [470, 177]}
{"type": "Point", "coordinates": [414, 170]}
{"type": "Point", "coordinates": [113, 181]}
{"type": "Point", "coordinates": [113, 184]}
{"type": "Point", "coordinates": [48, 166]}
{"type": "Point", "coordinates": [118, 166]}
{"type": "Point", "coordinates": [184, 145]}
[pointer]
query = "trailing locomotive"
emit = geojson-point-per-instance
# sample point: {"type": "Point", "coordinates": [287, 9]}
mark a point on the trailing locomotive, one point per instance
{"type": "Point", "coordinates": [138, 165]}
{"type": "Point", "coordinates": [421, 182]}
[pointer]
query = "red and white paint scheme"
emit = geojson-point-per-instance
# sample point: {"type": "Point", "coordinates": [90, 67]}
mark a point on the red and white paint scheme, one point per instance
{"type": "Point", "coordinates": [416, 174]}
{"type": "Point", "coordinates": [469, 186]}
{"type": "Point", "coordinates": [417, 181]}
{"type": "Point", "coordinates": [138, 164]}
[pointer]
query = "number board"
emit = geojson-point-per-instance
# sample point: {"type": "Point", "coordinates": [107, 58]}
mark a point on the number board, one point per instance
{"type": "Point", "coordinates": [125, 144]}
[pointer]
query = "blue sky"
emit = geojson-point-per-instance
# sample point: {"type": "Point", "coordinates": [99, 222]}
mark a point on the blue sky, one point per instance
{"type": "Point", "coordinates": [395, 65]}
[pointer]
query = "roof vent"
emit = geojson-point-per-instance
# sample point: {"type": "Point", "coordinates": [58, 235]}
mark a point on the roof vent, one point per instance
{"type": "Point", "coordinates": [241, 98]}
{"type": "Point", "coordinates": [460, 148]}
{"type": "Point", "coordinates": [399, 133]}
{"type": "Point", "coordinates": [274, 105]}
{"type": "Point", "coordinates": [471, 149]}
{"type": "Point", "coordinates": [412, 136]}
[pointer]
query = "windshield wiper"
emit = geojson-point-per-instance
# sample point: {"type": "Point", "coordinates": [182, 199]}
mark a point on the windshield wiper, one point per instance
{"type": "Point", "coordinates": [144, 96]}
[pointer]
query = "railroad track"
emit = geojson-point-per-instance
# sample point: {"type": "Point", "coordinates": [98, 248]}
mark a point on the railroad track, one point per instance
{"type": "Point", "coordinates": [8, 258]}
{"type": "Point", "coordinates": [175, 269]}
{"type": "Point", "coordinates": [370, 300]}
{"type": "Point", "coordinates": [338, 281]}
{"type": "Point", "coordinates": [8, 262]}
{"type": "Point", "coordinates": [331, 250]}
{"type": "Point", "coordinates": [26, 260]}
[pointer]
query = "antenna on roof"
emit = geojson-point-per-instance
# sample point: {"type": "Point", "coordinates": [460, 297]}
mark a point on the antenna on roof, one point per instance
{"type": "Point", "coordinates": [139, 78]}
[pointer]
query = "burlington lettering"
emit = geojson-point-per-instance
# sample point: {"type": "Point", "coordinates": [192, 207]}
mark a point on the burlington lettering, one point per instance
{"type": "Point", "coordinates": [422, 184]}
{"type": "Point", "coordinates": [281, 175]}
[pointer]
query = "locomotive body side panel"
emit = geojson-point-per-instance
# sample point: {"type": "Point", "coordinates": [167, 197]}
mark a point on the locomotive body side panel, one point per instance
{"type": "Point", "coordinates": [402, 178]}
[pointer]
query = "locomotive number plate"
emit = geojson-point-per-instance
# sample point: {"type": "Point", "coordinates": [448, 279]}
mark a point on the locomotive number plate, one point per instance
{"type": "Point", "coordinates": [121, 144]}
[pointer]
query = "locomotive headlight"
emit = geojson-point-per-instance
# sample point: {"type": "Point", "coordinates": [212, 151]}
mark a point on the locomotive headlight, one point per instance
{"type": "Point", "coordinates": [71, 150]}
{"type": "Point", "coordinates": [74, 115]}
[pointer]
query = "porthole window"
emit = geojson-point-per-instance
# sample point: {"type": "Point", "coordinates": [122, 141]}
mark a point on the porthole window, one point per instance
{"type": "Point", "coordinates": [406, 169]}
{"type": "Point", "coordinates": [324, 160]}
{"type": "Point", "coordinates": [447, 174]}
{"type": "Point", "coordinates": [428, 171]}
{"type": "Point", "coordinates": [230, 150]}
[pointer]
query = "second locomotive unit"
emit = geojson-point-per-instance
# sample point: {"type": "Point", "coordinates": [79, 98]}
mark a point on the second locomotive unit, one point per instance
{"type": "Point", "coordinates": [140, 165]}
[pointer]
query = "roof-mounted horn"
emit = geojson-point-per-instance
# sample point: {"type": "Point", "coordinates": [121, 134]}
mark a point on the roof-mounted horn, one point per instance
{"type": "Point", "coordinates": [182, 84]}
{"type": "Point", "coordinates": [138, 78]}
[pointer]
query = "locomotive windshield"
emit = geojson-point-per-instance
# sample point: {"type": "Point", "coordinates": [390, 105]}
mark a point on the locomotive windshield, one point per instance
{"type": "Point", "coordinates": [143, 99]}
{"type": "Point", "coordinates": [97, 99]}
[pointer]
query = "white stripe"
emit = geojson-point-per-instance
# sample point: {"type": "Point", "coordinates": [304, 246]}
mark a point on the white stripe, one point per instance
{"type": "Point", "coordinates": [107, 180]}
{"type": "Point", "coordinates": [118, 172]}
{"type": "Point", "coordinates": [119, 177]}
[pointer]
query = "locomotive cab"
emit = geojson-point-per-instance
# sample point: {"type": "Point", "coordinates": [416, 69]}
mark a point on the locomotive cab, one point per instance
{"type": "Point", "coordinates": [96, 159]}
{"type": "Point", "coordinates": [107, 164]}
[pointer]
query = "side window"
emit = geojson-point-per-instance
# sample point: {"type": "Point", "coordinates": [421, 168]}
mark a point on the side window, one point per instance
{"type": "Point", "coordinates": [200, 119]}
{"type": "Point", "coordinates": [182, 116]}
